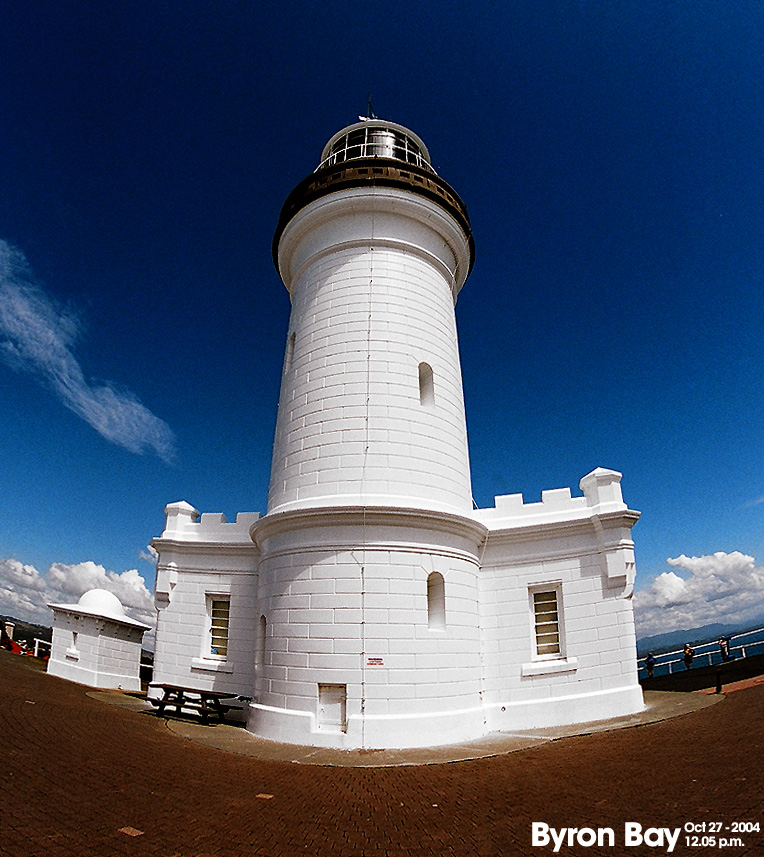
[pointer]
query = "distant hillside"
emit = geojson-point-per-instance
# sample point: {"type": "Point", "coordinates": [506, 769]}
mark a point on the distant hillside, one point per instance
{"type": "Point", "coordinates": [673, 640]}
{"type": "Point", "coordinates": [27, 631]}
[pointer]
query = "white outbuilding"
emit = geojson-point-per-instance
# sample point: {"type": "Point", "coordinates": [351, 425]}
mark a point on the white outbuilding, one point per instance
{"type": "Point", "coordinates": [372, 605]}
{"type": "Point", "coordinates": [96, 643]}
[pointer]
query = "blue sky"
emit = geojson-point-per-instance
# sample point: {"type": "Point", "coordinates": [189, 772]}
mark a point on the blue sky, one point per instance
{"type": "Point", "coordinates": [610, 155]}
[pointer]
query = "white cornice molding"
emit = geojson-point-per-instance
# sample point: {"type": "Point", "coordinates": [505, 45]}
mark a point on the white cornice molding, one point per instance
{"type": "Point", "coordinates": [295, 252]}
{"type": "Point", "coordinates": [555, 526]}
{"type": "Point", "coordinates": [368, 516]}
{"type": "Point", "coordinates": [163, 543]}
{"type": "Point", "coordinates": [101, 617]}
{"type": "Point", "coordinates": [372, 547]}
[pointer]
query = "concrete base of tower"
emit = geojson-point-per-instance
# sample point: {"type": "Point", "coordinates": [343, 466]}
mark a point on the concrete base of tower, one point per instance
{"type": "Point", "coordinates": [563, 710]}
{"type": "Point", "coordinates": [431, 729]}
{"type": "Point", "coordinates": [402, 731]}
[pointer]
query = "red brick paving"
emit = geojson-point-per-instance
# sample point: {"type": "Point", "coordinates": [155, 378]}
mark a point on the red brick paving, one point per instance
{"type": "Point", "coordinates": [743, 684]}
{"type": "Point", "coordinates": [76, 772]}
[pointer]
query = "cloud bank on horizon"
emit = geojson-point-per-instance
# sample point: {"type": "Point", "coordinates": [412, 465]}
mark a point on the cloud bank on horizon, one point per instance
{"type": "Point", "coordinates": [722, 587]}
{"type": "Point", "coordinates": [37, 337]}
{"type": "Point", "coordinates": [25, 592]}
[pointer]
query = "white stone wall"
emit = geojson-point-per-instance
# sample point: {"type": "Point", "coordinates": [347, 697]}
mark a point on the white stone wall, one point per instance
{"type": "Point", "coordinates": [343, 592]}
{"type": "Point", "coordinates": [181, 656]}
{"type": "Point", "coordinates": [372, 275]}
{"type": "Point", "coordinates": [201, 557]}
{"type": "Point", "coordinates": [120, 650]}
{"type": "Point", "coordinates": [345, 600]}
{"type": "Point", "coordinates": [582, 548]}
{"type": "Point", "coordinates": [106, 653]}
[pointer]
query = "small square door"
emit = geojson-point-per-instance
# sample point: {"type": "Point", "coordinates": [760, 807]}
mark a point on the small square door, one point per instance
{"type": "Point", "coordinates": [332, 703]}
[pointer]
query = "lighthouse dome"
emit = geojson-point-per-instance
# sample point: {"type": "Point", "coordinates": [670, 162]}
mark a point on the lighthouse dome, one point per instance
{"type": "Point", "coordinates": [376, 138]}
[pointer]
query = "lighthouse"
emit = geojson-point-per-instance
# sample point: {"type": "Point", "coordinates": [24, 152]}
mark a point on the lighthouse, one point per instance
{"type": "Point", "coordinates": [368, 547]}
{"type": "Point", "coordinates": [373, 248]}
{"type": "Point", "coordinates": [372, 606]}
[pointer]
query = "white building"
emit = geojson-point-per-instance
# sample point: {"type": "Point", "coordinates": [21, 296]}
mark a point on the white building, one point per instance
{"type": "Point", "coordinates": [372, 606]}
{"type": "Point", "coordinates": [96, 643]}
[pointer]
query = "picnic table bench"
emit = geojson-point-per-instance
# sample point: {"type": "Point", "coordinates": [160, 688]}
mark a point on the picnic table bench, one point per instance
{"type": "Point", "coordinates": [203, 701]}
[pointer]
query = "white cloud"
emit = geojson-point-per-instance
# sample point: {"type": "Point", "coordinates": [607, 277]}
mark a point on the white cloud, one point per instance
{"type": "Point", "coordinates": [721, 587]}
{"type": "Point", "coordinates": [150, 554]}
{"type": "Point", "coordinates": [25, 592]}
{"type": "Point", "coordinates": [37, 336]}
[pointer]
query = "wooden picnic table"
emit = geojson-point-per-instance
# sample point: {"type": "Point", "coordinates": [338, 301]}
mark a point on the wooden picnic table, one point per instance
{"type": "Point", "coordinates": [203, 701]}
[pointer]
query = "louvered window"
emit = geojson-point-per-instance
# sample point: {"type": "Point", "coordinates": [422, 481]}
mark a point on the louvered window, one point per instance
{"type": "Point", "coordinates": [545, 609]}
{"type": "Point", "coordinates": [219, 607]}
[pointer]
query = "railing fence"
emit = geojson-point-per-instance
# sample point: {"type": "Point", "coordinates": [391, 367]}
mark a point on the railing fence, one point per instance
{"type": "Point", "coordinates": [707, 654]}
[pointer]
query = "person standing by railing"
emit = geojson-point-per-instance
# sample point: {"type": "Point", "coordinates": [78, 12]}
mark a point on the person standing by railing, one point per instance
{"type": "Point", "coordinates": [689, 654]}
{"type": "Point", "coordinates": [724, 649]}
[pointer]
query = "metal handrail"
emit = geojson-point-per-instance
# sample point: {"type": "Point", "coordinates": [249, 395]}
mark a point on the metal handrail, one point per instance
{"type": "Point", "coordinates": [711, 656]}
{"type": "Point", "coordinates": [370, 150]}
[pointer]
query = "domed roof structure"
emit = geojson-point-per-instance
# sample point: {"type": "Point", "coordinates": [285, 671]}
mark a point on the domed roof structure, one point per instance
{"type": "Point", "coordinates": [102, 602]}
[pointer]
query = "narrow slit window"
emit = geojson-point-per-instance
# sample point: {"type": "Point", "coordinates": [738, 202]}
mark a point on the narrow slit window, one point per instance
{"type": "Point", "coordinates": [289, 357]}
{"type": "Point", "coordinates": [72, 652]}
{"type": "Point", "coordinates": [547, 620]}
{"type": "Point", "coordinates": [219, 615]}
{"type": "Point", "coordinates": [260, 654]}
{"type": "Point", "coordinates": [426, 385]}
{"type": "Point", "coordinates": [436, 602]}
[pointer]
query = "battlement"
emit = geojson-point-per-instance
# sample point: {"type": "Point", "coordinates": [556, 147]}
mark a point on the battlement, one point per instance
{"type": "Point", "coordinates": [185, 523]}
{"type": "Point", "coordinates": [597, 523]}
{"type": "Point", "coordinates": [601, 493]}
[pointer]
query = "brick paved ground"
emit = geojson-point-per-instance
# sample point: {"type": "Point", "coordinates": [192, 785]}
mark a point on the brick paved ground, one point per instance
{"type": "Point", "coordinates": [75, 772]}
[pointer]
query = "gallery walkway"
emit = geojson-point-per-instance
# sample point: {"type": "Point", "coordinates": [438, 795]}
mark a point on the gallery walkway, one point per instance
{"type": "Point", "coordinates": [82, 777]}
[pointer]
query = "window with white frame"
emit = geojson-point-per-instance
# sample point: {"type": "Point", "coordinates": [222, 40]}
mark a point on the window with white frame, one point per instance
{"type": "Point", "coordinates": [547, 623]}
{"type": "Point", "coordinates": [218, 615]}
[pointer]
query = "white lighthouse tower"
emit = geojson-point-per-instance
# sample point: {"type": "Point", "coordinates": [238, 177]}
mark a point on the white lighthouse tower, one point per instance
{"type": "Point", "coordinates": [372, 606]}
{"type": "Point", "coordinates": [369, 509]}
{"type": "Point", "coordinates": [373, 248]}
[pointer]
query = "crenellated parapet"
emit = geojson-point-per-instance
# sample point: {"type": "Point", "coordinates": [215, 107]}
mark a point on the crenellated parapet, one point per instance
{"type": "Point", "coordinates": [202, 543]}
{"type": "Point", "coordinates": [601, 489]}
{"type": "Point", "coordinates": [185, 523]}
{"type": "Point", "coordinates": [599, 522]}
